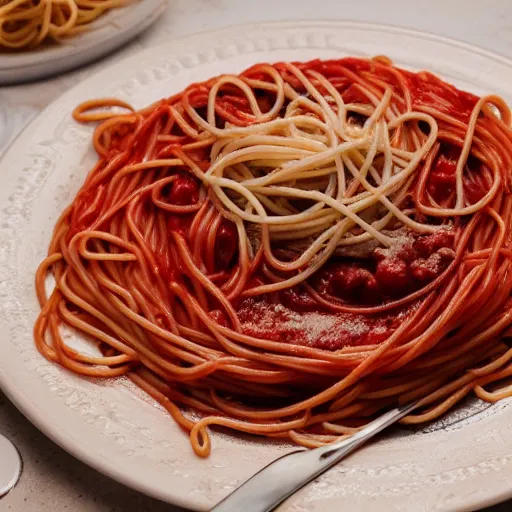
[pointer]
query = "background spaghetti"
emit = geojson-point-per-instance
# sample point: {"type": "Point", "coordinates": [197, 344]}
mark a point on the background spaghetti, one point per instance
{"type": "Point", "coordinates": [292, 250]}
{"type": "Point", "coordinates": [28, 23]}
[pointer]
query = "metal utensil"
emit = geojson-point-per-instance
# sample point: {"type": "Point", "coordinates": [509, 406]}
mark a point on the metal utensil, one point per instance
{"type": "Point", "coordinates": [10, 466]}
{"type": "Point", "coordinates": [269, 487]}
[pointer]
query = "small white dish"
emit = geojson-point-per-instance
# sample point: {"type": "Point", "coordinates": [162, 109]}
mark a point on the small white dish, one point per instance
{"type": "Point", "coordinates": [105, 34]}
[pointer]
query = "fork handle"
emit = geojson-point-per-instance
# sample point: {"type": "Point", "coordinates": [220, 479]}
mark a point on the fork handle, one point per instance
{"type": "Point", "coordinates": [269, 487]}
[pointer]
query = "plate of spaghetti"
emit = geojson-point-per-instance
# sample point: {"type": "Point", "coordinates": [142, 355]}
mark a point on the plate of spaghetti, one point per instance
{"type": "Point", "coordinates": [44, 37]}
{"type": "Point", "coordinates": [264, 237]}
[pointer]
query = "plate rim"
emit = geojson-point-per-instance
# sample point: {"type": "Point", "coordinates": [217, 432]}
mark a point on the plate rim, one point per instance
{"type": "Point", "coordinates": [36, 415]}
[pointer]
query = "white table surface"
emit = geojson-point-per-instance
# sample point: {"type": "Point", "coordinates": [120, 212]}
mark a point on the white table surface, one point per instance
{"type": "Point", "coordinates": [53, 480]}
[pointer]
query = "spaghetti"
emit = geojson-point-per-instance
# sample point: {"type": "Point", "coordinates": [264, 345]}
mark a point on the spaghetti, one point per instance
{"type": "Point", "coordinates": [292, 250]}
{"type": "Point", "coordinates": [28, 23]}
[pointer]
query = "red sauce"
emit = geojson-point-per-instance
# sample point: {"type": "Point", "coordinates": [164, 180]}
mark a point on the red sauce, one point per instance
{"type": "Point", "coordinates": [441, 181]}
{"type": "Point", "coordinates": [426, 89]}
{"type": "Point", "coordinates": [317, 329]}
{"type": "Point", "coordinates": [184, 191]}
{"type": "Point", "coordinates": [391, 272]}
{"type": "Point", "coordinates": [297, 299]}
{"type": "Point", "coordinates": [294, 316]}
{"type": "Point", "coordinates": [474, 192]}
{"type": "Point", "coordinates": [219, 317]}
{"type": "Point", "coordinates": [180, 224]}
{"type": "Point", "coordinates": [425, 245]}
{"type": "Point", "coordinates": [355, 283]}
{"type": "Point", "coordinates": [442, 178]}
{"type": "Point", "coordinates": [354, 95]}
{"type": "Point", "coordinates": [425, 270]}
{"type": "Point", "coordinates": [392, 276]}
{"type": "Point", "coordinates": [226, 245]}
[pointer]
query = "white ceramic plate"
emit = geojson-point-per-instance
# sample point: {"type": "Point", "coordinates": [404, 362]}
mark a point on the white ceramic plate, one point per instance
{"type": "Point", "coordinates": [106, 34]}
{"type": "Point", "coordinates": [461, 463]}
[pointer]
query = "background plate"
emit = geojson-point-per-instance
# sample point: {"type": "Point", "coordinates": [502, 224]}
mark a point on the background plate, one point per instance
{"type": "Point", "coordinates": [461, 463]}
{"type": "Point", "coordinates": [106, 34]}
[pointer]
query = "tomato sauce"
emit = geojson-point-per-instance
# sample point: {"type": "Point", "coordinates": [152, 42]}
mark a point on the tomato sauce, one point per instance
{"type": "Point", "coordinates": [295, 316]}
{"type": "Point", "coordinates": [317, 329]}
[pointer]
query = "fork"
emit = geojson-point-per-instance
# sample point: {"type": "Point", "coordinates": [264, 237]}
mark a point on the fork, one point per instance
{"type": "Point", "coordinates": [277, 481]}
